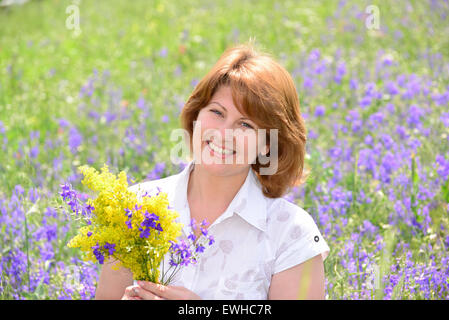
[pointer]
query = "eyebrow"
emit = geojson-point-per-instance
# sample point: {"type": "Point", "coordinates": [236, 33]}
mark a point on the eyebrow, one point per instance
{"type": "Point", "coordinates": [242, 118]}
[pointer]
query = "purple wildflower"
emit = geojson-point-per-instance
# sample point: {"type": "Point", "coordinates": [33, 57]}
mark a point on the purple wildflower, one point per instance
{"type": "Point", "coordinates": [194, 82]}
{"type": "Point", "coordinates": [192, 224]}
{"type": "Point", "coordinates": [165, 118]}
{"type": "Point", "coordinates": [87, 210]}
{"type": "Point", "coordinates": [141, 103]}
{"type": "Point", "coordinates": [365, 102]}
{"type": "Point", "coordinates": [163, 52]}
{"type": "Point", "coordinates": [181, 254]}
{"type": "Point", "coordinates": [97, 253]}
{"type": "Point", "coordinates": [200, 248]}
{"type": "Point", "coordinates": [414, 115]}
{"type": "Point", "coordinates": [157, 171]}
{"type": "Point", "coordinates": [149, 223]}
{"type": "Point", "coordinates": [340, 72]}
{"type": "Point", "coordinates": [110, 247]}
{"type": "Point", "coordinates": [192, 237]}
{"type": "Point", "coordinates": [319, 111]}
{"type": "Point", "coordinates": [34, 152]}
{"type": "Point", "coordinates": [445, 118]}
{"type": "Point", "coordinates": [63, 123]}
{"type": "Point", "coordinates": [33, 195]}
{"type": "Point", "coordinates": [70, 197]}
{"type": "Point", "coordinates": [129, 214]}
{"type": "Point", "coordinates": [145, 233]}
{"type": "Point", "coordinates": [442, 166]}
{"type": "Point", "coordinates": [18, 190]}
{"type": "Point", "coordinates": [353, 84]}
{"type": "Point", "coordinates": [75, 139]}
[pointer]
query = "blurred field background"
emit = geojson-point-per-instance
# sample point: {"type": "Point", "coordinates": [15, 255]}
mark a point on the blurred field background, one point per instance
{"type": "Point", "coordinates": [376, 104]}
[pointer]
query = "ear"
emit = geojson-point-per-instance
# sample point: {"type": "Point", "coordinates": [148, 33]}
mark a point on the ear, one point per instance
{"type": "Point", "coordinates": [265, 150]}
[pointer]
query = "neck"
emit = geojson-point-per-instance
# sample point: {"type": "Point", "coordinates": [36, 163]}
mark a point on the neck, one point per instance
{"type": "Point", "coordinates": [211, 191]}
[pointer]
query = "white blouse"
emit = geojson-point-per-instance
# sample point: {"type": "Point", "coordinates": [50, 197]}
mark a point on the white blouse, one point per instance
{"type": "Point", "coordinates": [255, 238]}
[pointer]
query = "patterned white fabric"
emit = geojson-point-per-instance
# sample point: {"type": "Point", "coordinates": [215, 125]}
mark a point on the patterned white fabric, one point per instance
{"type": "Point", "coordinates": [255, 238]}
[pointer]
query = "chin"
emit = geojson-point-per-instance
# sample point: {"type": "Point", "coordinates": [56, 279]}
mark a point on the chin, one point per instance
{"type": "Point", "coordinates": [221, 169]}
{"type": "Point", "coordinates": [225, 169]}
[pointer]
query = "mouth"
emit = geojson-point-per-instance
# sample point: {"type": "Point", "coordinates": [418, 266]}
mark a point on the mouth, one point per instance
{"type": "Point", "coordinates": [219, 151]}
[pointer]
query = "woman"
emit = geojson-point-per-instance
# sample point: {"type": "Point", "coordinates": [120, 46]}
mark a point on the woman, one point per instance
{"type": "Point", "coordinates": [265, 247]}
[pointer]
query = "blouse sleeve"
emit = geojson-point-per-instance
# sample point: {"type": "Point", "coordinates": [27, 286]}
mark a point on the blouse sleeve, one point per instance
{"type": "Point", "coordinates": [136, 188]}
{"type": "Point", "coordinates": [301, 239]}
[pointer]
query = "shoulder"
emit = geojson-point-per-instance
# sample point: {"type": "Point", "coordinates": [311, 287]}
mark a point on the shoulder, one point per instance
{"type": "Point", "coordinates": [283, 213]}
{"type": "Point", "coordinates": [288, 223]}
{"type": "Point", "coordinates": [294, 234]}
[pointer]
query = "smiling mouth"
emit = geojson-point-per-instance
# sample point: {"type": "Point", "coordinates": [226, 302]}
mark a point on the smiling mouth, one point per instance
{"type": "Point", "coordinates": [218, 150]}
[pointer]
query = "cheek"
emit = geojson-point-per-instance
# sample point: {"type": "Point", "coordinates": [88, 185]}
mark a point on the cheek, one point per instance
{"type": "Point", "coordinates": [202, 124]}
{"type": "Point", "coordinates": [208, 122]}
{"type": "Point", "coordinates": [246, 145]}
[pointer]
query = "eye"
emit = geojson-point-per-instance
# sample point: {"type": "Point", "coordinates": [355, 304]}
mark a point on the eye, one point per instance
{"type": "Point", "coordinates": [216, 111]}
{"type": "Point", "coordinates": [247, 125]}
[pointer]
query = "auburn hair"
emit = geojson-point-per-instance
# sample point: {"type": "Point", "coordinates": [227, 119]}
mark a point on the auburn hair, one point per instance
{"type": "Point", "coordinates": [265, 92]}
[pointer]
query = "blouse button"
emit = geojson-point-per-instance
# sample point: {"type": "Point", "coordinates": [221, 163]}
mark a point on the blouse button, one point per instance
{"type": "Point", "coordinates": [316, 238]}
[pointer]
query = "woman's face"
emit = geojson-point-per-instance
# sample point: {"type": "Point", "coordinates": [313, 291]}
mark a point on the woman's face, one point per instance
{"type": "Point", "coordinates": [225, 141]}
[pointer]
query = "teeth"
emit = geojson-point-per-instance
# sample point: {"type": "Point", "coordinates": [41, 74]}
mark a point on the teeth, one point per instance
{"type": "Point", "coordinates": [220, 150]}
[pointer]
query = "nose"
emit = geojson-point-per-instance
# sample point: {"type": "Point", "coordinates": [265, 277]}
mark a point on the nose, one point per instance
{"type": "Point", "coordinates": [223, 134]}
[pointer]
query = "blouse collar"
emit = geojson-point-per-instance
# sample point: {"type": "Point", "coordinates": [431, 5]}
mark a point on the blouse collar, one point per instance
{"type": "Point", "coordinates": [249, 202]}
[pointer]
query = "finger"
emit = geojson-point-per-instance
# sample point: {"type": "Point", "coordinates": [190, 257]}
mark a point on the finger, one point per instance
{"type": "Point", "coordinates": [145, 294]}
{"type": "Point", "coordinates": [157, 289]}
{"type": "Point", "coordinates": [129, 297]}
{"type": "Point", "coordinates": [129, 293]}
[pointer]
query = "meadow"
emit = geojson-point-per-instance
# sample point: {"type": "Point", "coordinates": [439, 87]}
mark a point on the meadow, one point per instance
{"type": "Point", "coordinates": [375, 101]}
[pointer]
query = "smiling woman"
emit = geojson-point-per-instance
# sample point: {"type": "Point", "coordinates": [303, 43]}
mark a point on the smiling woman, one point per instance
{"type": "Point", "coordinates": [263, 91]}
{"type": "Point", "coordinates": [265, 246]}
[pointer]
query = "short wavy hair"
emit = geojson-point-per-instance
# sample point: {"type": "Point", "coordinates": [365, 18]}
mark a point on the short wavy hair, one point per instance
{"type": "Point", "coordinates": [265, 92]}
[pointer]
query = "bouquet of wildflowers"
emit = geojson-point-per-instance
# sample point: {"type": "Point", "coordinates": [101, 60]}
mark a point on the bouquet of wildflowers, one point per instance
{"type": "Point", "coordinates": [136, 231]}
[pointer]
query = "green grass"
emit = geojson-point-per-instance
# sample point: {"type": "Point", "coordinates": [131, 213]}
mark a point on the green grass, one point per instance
{"type": "Point", "coordinates": [43, 66]}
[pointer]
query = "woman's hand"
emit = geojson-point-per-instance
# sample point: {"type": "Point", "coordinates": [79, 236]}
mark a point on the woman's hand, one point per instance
{"type": "Point", "coordinates": [146, 290]}
{"type": "Point", "coordinates": [132, 293]}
